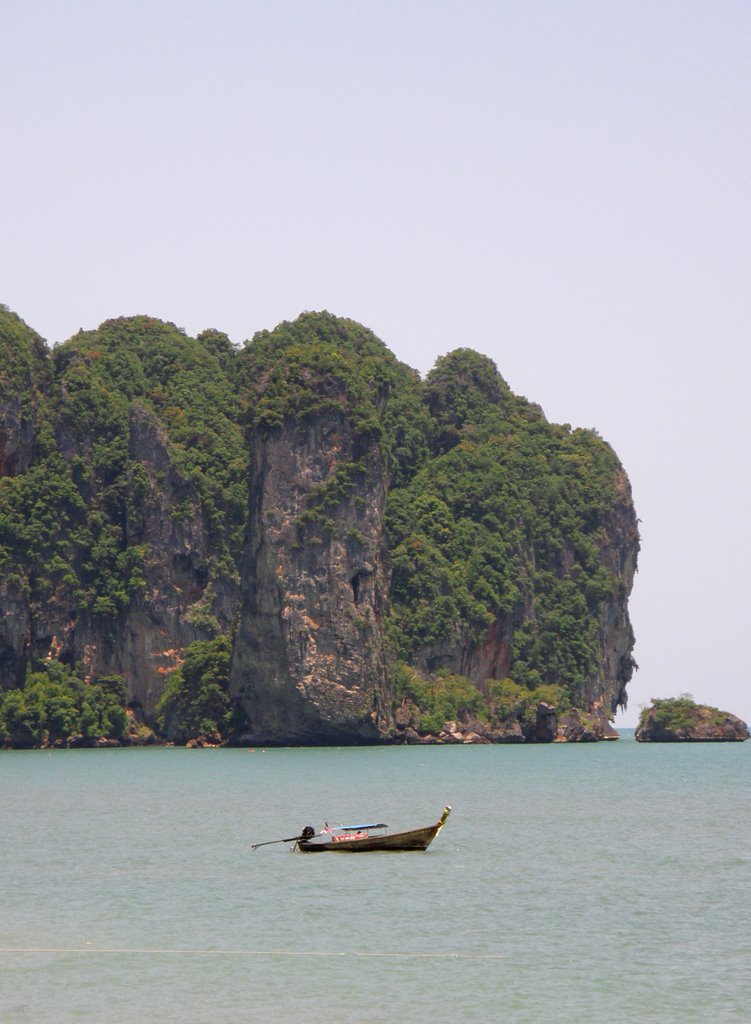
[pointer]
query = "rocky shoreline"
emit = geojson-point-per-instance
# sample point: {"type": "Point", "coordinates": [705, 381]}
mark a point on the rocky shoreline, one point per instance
{"type": "Point", "coordinates": [548, 726]}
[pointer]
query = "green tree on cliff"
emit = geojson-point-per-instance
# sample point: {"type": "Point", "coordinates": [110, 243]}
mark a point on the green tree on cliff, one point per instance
{"type": "Point", "coordinates": [196, 699]}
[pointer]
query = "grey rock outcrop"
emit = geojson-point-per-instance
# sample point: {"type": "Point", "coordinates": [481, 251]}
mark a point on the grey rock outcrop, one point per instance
{"type": "Point", "coordinates": [310, 661]}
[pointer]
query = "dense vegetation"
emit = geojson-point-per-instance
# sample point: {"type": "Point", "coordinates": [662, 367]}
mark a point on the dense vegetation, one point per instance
{"type": "Point", "coordinates": [494, 515]}
{"type": "Point", "coordinates": [506, 517]}
{"type": "Point", "coordinates": [321, 362]}
{"type": "Point", "coordinates": [441, 697]}
{"type": "Point", "coordinates": [69, 526]}
{"type": "Point", "coordinates": [197, 694]}
{"type": "Point", "coordinates": [55, 707]}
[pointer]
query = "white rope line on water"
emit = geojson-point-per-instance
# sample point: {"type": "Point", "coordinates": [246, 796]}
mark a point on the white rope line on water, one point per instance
{"type": "Point", "coordinates": [122, 951]}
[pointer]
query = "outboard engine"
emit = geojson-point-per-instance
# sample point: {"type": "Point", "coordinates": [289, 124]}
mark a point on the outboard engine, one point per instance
{"type": "Point", "coordinates": [308, 832]}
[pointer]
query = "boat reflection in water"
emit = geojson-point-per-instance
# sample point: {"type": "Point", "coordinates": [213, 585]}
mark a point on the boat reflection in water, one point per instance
{"type": "Point", "coordinates": [365, 838]}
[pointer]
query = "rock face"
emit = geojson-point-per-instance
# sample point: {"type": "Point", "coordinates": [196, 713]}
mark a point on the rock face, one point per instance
{"type": "Point", "coordinates": [15, 632]}
{"type": "Point", "coordinates": [576, 727]}
{"type": "Point", "coordinates": [163, 617]}
{"type": "Point", "coordinates": [697, 723]}
{"type": "Point", "coordinates": [24, 378]}
{"type": "Point", "coordinates": [618, 553]}
{"type": "Point", "coordinates": [310, 662]}
{"type": "Point", "coordinates": [604, 689]}
{"type": "Point", "coordinates": [146, 641]}
{"type": "Point", "coordinates": [604, 692]}
{"type": "Point", "coordinates": [531, 521]}
{"type": "Point", "coordinates": [16, 437]}
{"type": "Point", "coordinates": [106, 555]}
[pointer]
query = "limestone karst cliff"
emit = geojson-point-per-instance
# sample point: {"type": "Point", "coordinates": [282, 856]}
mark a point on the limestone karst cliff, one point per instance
{"type": "Point", "coordinates": [382, 552]}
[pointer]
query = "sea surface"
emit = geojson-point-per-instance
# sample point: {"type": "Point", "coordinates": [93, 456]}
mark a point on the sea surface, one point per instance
{"type": "Point", "coordinates": [607, 882]}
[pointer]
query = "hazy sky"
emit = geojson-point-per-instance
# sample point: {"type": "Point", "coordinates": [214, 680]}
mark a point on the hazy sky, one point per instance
{"type": "Point", "coordinates": [561, 186]}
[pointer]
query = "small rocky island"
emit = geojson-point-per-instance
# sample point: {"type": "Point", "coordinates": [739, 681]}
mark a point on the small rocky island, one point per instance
{"type": "Point", "coordinates": [680, 720]}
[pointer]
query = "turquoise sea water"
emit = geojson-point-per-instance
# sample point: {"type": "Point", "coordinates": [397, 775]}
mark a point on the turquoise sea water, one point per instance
{"type": "Point", "coordinates": [607, 882]}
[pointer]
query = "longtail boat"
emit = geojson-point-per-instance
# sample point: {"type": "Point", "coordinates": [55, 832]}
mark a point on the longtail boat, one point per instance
{"type": "Point", "coordinates": [364, 838]}
{"type": "Point", "coordinates": [361, 838]}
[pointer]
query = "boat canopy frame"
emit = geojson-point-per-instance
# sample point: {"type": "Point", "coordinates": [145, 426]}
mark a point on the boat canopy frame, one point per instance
{"type": "Point", "coordinates": [351, 828]}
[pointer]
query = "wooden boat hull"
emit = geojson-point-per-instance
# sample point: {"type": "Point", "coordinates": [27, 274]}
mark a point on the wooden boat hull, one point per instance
{"type": "Point", "coordinates": [415, 839]}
